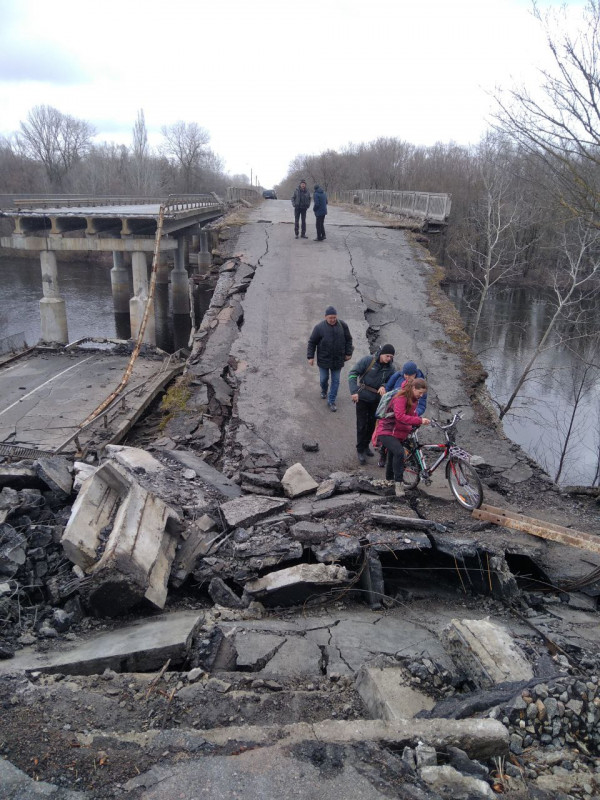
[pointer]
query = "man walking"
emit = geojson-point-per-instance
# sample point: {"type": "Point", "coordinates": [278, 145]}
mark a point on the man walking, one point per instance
{"type": "Point", "coordinates": [301, 203]}
{"type": "Point", "coordinates": [320, 209]}
{"type": "Point", "coordinates": [367, 381]}
{"type": "Point", "coordinates": [332, 340]}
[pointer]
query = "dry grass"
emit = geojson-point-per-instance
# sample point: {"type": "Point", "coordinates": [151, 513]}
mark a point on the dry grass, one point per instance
{"type": "Point", "coordinates": [175, 400]}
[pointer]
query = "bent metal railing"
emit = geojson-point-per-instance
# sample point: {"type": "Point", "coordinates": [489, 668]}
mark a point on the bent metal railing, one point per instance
{"type": "Point", "coordinates": [424, 205]}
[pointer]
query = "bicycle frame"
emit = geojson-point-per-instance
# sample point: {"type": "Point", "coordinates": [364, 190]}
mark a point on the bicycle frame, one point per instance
{"type": "Point", "coordinates": [445, 449]}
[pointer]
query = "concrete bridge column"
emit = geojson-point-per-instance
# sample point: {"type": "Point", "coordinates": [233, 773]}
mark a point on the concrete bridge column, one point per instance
{"type": "Point", "coordinates": [120, 284]}
{"type": "Point", "coordinates": [53, 312]}
{"type": "Point", "coordinates": [137, 304]}
{"type": "Point", "coordinates": [162, 270]}
{"type": "Point", "coordinates": [180, 293]}
{"type": "Point", "coordinates": [204, 257]}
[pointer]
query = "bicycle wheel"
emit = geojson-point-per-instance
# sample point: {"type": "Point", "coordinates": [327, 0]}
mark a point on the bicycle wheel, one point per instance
{"type": "Point", "coordinates": [464, 483]}
{"type": "Point", "coordinates": [411, 469]}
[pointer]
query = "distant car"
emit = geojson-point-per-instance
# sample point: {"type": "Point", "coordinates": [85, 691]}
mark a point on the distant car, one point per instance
{"type": "Point", "coordinates": [269, 194]}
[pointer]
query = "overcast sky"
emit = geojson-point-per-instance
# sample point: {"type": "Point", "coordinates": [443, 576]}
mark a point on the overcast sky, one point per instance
{"type": "Point", "coordinates": [269, 79]}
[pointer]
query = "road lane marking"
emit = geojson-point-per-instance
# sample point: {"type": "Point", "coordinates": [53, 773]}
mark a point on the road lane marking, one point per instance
{"type": "Point", "coordinates": [41, 386]}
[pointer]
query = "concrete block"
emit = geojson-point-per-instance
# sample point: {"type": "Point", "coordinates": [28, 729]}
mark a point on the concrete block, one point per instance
{"type": "Point", "coordinates": [82, 472]}
{"type": "Point", "coordinates": [450, 783]}
{"type": "Point", "coordinates": [135, 560]}
{"type": "Point", "coordinates": [294, 584]}
{"type": "Point", "coordinates": [143, 646]}
{"type": "Point", "coordinates": [206, 473]}
{"type": "Point", "coordinates": [245, 511]}
{"type": "Point", "coordinates": [54, 472]}
{"type": "Point", "coordinates": [486, 652]}
{"type": "Point", "coordinates": [387, 695]}
{"type": "Point", "coordinates": [134, 458]}
{"type": "Point", "coordinates": [297, 482]}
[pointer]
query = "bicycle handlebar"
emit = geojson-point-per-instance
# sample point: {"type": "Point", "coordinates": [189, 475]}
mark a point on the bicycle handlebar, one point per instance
{"type": "Point", "coordinates": [451, 424]}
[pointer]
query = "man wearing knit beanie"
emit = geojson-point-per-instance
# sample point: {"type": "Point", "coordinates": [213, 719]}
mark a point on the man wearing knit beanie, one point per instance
{"type": "Point", "coordinates": [367, 380]}
{"type": "Point", "coordinates": [332, 340]}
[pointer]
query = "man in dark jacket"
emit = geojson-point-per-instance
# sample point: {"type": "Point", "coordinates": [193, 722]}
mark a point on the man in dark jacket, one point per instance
{"type": "Point", "coordinates": [367, 381]}
{"type": "Point", "coordinates": [320, 209]}
{"type": "Point", "coordinates": [301, 203]}
{"type": "Point", "coordinates": [332, 340]}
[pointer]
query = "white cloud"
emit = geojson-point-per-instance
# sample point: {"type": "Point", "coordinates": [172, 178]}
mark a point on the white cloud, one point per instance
{"type": "Point", "coordinates": [269, 79]}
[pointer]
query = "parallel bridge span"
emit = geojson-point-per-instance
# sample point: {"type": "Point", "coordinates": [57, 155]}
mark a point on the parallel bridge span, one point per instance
{"type": "Point", "coordinates": [50, 224]}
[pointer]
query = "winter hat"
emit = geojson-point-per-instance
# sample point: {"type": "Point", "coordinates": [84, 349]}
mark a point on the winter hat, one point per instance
{"type": "Point", "coordinates": [330, 310]}
{"type": "Point", "coordinates": [387, 350]}
{"type": "Point", "coordinates": [410, 368]}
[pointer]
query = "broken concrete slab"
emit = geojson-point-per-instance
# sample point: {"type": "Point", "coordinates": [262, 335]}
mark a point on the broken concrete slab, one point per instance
{"type": "Point", "coordinates": [297, 481]}
{"type": "Point", "coordinates": [340, 504]}
{"type": "Point", "coordinates": [134, 458]}
{"type": "Point", "coordinates": [55, 473]}
{"type": "Point", "coordinates": [451, 784]}
{"type": "Point", "coordinates": [486, 652]}
{"type": "Point", "coordinates": [392, 541]}
{"type": "Point", "coordinates": [143, 646]}
{"type": "Point", "coordinates": [387, 694]}
{"type": "Point", "coordinates": [197, 544]}
{"type": "Point", "coordinates": [205, 472]}
{"type": "Point", "coordinates": [134, 561]}
{"type": "Point", "coordinates": [245, 511]}
{"type": "Point", "coordinates": [254, 650]}
{"type": "Point", "coordinates": [223, 595]}
{"type": "Point", "coordinates": [296, 658]}
{"type": "Point", "coordinates": [82, 472]}
{"type": "Point", "coordinates": [295, 584]}
{"type": "Point", "coordinates": [339, 549]}
{"type": "Point", "coordinates": [310, 532]}
{"type": "Point", "coordinates": [17, 476]}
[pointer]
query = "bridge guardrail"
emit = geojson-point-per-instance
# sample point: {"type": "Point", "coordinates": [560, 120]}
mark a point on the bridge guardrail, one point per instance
{"type": "Point", "coordinates": [174, 202]}
{"type": "Point", "coordinates": [424, 205]}
{"type": "Point", "coordinates": [236, 193]}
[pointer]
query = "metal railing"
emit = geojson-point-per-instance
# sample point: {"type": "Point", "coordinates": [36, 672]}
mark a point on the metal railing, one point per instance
{"type": "Point", "coordinates": [173, 202]}
{"type": "Point", "coordinates": [236, 193]}
{"type": "Point", "coordinates": [424, 205]}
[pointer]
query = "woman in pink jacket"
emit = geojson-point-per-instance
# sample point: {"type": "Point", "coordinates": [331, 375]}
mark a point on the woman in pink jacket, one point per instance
{"type": "Point", "coordinates": [394, 429]}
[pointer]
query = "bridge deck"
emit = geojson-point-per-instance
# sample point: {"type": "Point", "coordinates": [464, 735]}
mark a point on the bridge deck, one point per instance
{"type": "Point", "coordinates": [45, 397]}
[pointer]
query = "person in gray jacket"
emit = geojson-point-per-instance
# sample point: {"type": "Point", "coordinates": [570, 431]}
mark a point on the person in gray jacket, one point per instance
{"type": "Point", "coordinates": [301, 203]}
{"type": "Point", "coordinates": [332, 340]}
{"type": "Point", "coordinates": [367, 379]}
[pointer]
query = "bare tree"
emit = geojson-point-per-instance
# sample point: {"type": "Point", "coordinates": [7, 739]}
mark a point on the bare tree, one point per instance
{"type": "Point", "coordinates": [186, 143]}
{"type": "Point", "coordinates": [561, 125]}
{"type": "Point", "coordinates": [58, 140]}
{"type": "Point", "coordinates": [576, 289]}
{"type": "Point", "coordinates": [140, 156]}
{"type": "Point", "coordinates": [492, 253]}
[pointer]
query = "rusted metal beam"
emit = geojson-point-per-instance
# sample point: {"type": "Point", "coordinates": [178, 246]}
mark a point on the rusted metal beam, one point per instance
{"type": "Point", "coordinates": [538, 527]}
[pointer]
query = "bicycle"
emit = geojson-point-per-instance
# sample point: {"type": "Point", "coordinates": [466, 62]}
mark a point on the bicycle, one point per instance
{"type": "Point", "coordinates": [462, 477]}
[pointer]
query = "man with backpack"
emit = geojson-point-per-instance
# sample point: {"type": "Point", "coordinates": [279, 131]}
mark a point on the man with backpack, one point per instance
{"type": "Point", "coordinates": [332, 340]}
{"type": "Point", "coordinates": [367, 381]}
{"type": "Point", "coordinates": [301, 203]}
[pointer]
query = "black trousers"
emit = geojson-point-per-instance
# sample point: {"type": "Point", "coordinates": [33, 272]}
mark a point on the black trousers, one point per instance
{"type": "Point", "coordinates": [365, 423]}
{"type": "Point", "coordinates": [299, 212]}
{"type": "Point", "coordinates": [320, 227]}
{"type": "Point", "coordinates": [394, 466]}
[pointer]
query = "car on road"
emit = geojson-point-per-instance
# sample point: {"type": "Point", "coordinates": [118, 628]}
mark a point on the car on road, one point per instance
{"type": "Point", "coordinates": [269, 194]}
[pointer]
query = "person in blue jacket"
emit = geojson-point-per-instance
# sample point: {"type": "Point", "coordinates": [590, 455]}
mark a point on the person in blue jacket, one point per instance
{"type": "Point", "coordinates": [409, 370]}
{"type": "Point", "coordinates": [320, 209]}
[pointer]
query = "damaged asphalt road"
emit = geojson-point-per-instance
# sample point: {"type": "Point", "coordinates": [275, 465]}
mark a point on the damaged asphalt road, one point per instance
{"type": "Point", "coordinates": [286, 628]}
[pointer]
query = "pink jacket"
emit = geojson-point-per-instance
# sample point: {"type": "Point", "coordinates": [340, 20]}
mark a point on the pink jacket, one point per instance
{"type": "Point", "coordinates": [400, 425]}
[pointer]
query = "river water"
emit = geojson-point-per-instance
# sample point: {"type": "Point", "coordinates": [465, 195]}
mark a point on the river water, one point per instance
{"type": "Point", "coordinates": [86, 289]}
{"type": "Point", "coordinates": [513, 322]}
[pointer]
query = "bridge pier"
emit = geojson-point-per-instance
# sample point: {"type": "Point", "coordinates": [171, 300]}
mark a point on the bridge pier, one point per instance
{"type": "Point", "coordinates": [137, 304]}
{"type": "Point", "coordinates": [180, 293]}
{"type": "Point", "coordinates": [204, 257]}
{"type": "Point", "coordinates": [119, 280]}
{"type": "Point", "coordinates": [53, 312]}
{"type": "Point", "coordinates": [162, 270]}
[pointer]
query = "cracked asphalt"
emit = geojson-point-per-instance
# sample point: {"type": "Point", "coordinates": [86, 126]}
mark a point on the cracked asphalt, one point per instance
{"type": "Point", "coordinates": [375, 278]}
